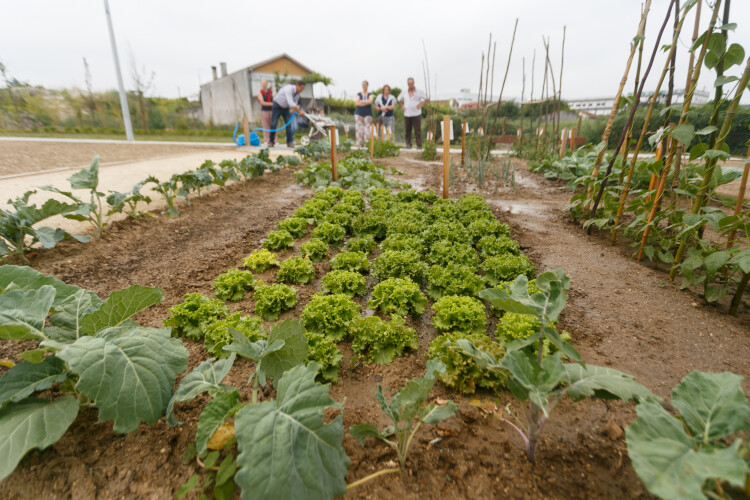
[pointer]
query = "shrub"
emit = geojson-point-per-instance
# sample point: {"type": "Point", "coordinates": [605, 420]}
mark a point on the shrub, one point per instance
{"type": "Point", "coordinates": [446, 252]}
{"type": "Point", "coordinates": [490, 246]}
{"type": "Point", "coordinates": [332, 234]}
{"type": "Point", "coordinates": [232, 284]}
{"type": "Point", "coordinates": [382, 149]}
{"type": "Point", "coordinates": [462, 372]}
{"type": "Point", "coordinates": [347, 282]}
{"type": "Point", "coordinates": [364, 244]}
{"type": "Point", "coordinates": [351, 261]}
{"type": "Point", "coordinates": [218, 334]}
{"type": "Point", "coordinates": [398, 295]}
{"type": "Point", "coordinates": [296, 226]}
{"type": "Point", "coordinates": [459, 314]}
{"type": "Point", "coordinates": [401, 242]}
{"type": "Point", "coordinates": [272, 300]}
{"type": "Point", "coordinates": [296, 270]}
{"type": "Point", "coordinates": [260, 260]}
{"type": "Point", "coordinates": [316, 249]}
{"type": "Point", "coordinates": [506, 268]}
{"type": "Point", "coordinates": [400, 264]}
{"type": "Point", "coordinates": [487, 227]}
{"type": "Point", "coordinates": [429, 151]}
{"type": "Point", "coordinates": [191, 317]}
{"type": "Point", "coordinates": [453, 279]}
{"type": "Point", "coordinates": [323, 350]}
{"type": "Point", "coordinates": [330, 315]}
{"type": "Point", "coordinates": [377, 341]}
{"type": "Point", "coordinates": [278, 240]}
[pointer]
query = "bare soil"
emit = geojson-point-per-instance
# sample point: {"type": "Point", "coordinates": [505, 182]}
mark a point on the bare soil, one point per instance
{"type": "Point", "coordinates": [19, 157]}
{"type": "Point", "coordinates": [621, 314]}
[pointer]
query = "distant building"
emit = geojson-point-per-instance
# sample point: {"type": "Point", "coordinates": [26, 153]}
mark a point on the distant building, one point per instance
{"type": "Point", "coordinates": [603, 105]}
{"type": "Point", "coordinates": [461, 97]}
{"type": "Point", "coordinates": [229, 97]}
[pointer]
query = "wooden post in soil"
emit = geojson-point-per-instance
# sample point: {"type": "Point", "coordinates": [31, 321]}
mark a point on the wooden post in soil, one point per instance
{"type": "Point", "coordinates": [372, 141]}
{"type": "Point", "coordinates": [563, 137]}
{"type": "Point", "coordinates": [463, 143]}
{"type": "Point", "coordinates": [613, 113]}
{"type": "Point", "coordinates": [740, 197]}
{"type": "Point", "coordinates": [572, 135]}
{"type": "Point", "coordinates": [245, 131]}
{"type": "Point", "coordinates": [332, 133]}
{"type": "Point", "coordinates": [446, 154]}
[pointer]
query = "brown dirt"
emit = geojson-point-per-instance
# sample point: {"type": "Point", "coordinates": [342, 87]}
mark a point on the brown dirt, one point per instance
{"type": "Point", "coordinates": [34, 156]}
{"type": "Point", "coordinates": [621, 314]}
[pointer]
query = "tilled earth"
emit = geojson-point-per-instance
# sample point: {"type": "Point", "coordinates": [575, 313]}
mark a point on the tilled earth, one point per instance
{"type": "Point", "coordinates": [621, 314]}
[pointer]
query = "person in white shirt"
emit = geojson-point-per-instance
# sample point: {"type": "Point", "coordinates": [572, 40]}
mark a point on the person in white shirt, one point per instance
{"type": "Point", "coordinates": [384, 105]}
{"type": "Point", "coordinates": [286, 100]}
{"type": "Point", "coordinates": [412, 101]}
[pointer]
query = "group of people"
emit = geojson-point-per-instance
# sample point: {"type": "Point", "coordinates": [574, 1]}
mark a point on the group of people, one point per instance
{"type": "Point", "coordinates": [288, 100]}
{"type": "Point", "coordinates": [411, 101]}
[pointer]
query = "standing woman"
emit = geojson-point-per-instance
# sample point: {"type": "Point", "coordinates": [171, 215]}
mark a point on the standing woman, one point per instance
{"type": "Point", "coordinates": [265, 98]}
{"type": "Point", "coordinates": [363, 115]}
{"type": "Point", "coordinates": [384, 105]}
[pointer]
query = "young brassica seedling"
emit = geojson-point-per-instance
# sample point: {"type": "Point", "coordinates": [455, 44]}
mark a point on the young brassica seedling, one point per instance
{"type": "Point", "coordinates": [408, 411]}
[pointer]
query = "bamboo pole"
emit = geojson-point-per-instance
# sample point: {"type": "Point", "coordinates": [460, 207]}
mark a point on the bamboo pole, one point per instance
{"type": "Point", "coordinates": [486, 81]}
{"type": "Point", "coordinates": [563, 142]}
{"type": "Point", "coordinates": [523, 90]}
{"type": "Point", "coordinates": [502, 87]}
{"type": "Point", "coordinates": [644, 130]}
{"type": "Point", "coordinates": [613, 113]}
{"type": "Point", "coordinates": [554, 89]}
{"type": "Point", "coordinates": [446, 154]}
{"type": "Point", "coordinates": [334, 172]}
{"type": "Point", "coordinates": [636, 102]}
{"type": "Point", "coordinates": [479, 95]}
{"type": "Point", "coordinates": [559, 86]}
{"type": "Point", "coordinates": [740, 197]}
{"type": "Point", "coordinates": [492, 82]}
{"type": "Point", "coordinates": [372, 141]}
{"type": "Point", "coordinates": [463, 143]}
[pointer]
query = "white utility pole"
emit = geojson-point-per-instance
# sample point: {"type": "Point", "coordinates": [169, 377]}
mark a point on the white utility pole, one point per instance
{"type": "Point", "coordinates": [123, 98]}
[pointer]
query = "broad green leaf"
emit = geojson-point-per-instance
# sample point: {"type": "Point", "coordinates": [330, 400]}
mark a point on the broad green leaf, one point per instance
{"type": "Point", "coordinates": [205, 377]}
{"type": "Point", "coordinates": [530, 380]}
{"type": "Point", "coordinates": [32, 355]}
{"type": "Point", "coordinates": [704, 131]}
{"type": "Point", "coordinates": [360, 432]}
{"type": "Point", "coordinates": [23, 312]}
{"type": "Point", "coordinates": [223, 406]}
{"type": "Point", "coordinates": [501, 299]}
{"type": "Point", "coordinates": [735, 54]}
{"type": "Point", "coordinates": [484, 359]}
{"type": "Point", "coordinates": [189, 486]}
{"type": "Point", "coordinates": [32, 423]}
{"type": "Point", "coordinates": [715, 153]}
{"type": "Point", "coordinates": [48, 236]}
{"type": "Point", "coordinates": [712, 404]}
{"type": "Point", "coordinates": [601, 382]}
{"type": "Point", "coordinates": [411, 397]}
{"type": "Point", "coordinates": [723, 80]}
{"type": "Point", "coordinates": [120, 306]}
{"type": "Point", "coordinates": [561, 345]}
{"type": "Point", "coordinates": [25, 378]}
{"type": "Point", "coordinates": [226, 470]}
{"type": "Point", "coordinates": [294, 351]}
{"type": "Point", "coordinates": [434, 413]}
{"type": "Point", "coordinates": [128, 372]}
{"type": "Point", "coordinates": [286, 448]}
{"type": "Point", "coordinates": [88, 178]}
{"type": "Point", "coordinates": [716, 261]}
{"type": "Point", "coordinates": [70, 312]}
{"type": "Point", "coordinates": [666, 460]}
{"type": "Point", "coordinates": [683, 133]}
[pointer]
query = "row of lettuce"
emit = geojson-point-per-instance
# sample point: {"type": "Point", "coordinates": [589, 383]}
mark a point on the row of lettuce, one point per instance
{"type": "Point", "coordinates": [91, 353]}
{"type": "Point", "coordinates": [20, 228]}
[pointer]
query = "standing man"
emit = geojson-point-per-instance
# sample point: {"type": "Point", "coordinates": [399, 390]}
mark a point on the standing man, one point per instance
{"type": "Point", "coordinates": [412, 101]}
{"type": "Point", "coordinates": [265, 98]}
{"type": "Point", "coordinates": [285, 101]}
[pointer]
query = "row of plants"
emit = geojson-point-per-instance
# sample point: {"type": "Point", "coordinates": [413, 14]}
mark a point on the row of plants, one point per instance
{"type": "Point", "coordinates": [355, 172]}
{"type": "Point", "coordinates": [18, 233]}
{"type": "Point", "coordinates": [667, 206]}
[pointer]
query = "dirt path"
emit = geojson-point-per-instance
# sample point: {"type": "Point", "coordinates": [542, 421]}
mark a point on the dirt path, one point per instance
{"type": "Point", "coordinates": [621, 314]}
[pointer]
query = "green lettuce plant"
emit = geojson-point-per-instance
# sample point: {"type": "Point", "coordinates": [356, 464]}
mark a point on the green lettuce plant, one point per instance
{"type": "Point", "coordinates": [191, 317]}
{"type": "Point", "coordinates": [462, 372]}
{"type": "Point", "coordinates": [446, 231]}
{"type": "Point", "coordinates": [89, 350]}
{"type": "Point", "coordinates": [341, 219]}
{"type": "Point", "coordinates": [400, 264]}
{"type": "Point", "coordinates": [330, 315]}
{"type": "Point", "coordinates": [459, 314]}
{"type": "Point", "coordinates": [487, 227]}
{"type": "Point", "coordinates": [402, 242]}
{"type": "Point", "coordinates": [699, 452]}
{"type": "Point", "coordinates": [316, 250]}
{"type": "Point", "coordinates": [323, 351]}
{"type": "Point", "coordinates": [348, 283]}
{"type": "Point", "coordinates": [260, 260]}
{"type": "Point", "coordinates": [218, 332]}
{"type": "Point", "coordinates": [233, 284]}
{"type": "Point", "coordinates": [490, 246]}
{"type": "Point", "coordinates": [373, 223]}
{"type": "Point", "coordinates": [506, 268]}
{"type": "Point", "coordinates": [443, 253]}
{"type": "Point", "coordinates": [272, 300]}
{"type": "Point", "coordinates": [330, 233]}
{"type": "Point", "coordinates": [378, 341]}
{"type": "Point", "coordinates": [453, 279]}
{"type": "Point", "coordinates": [364, 244]}
{"type": "Point", "coordinates": [278, 240]}
{"type": "Point", "coordinates": [296, 226]}
{"type": "Point", "coordinates": [296, 270]}
{"type": "Point", "coordinates": [351, 261]}
{"type": "Point", "coordinates": [398, 296]}
{"type": "Point", "coordinates": [408, 410]}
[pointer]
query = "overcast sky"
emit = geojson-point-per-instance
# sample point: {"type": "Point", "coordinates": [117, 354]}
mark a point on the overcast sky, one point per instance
{"type": "Point", "coordinates": [44, 41]}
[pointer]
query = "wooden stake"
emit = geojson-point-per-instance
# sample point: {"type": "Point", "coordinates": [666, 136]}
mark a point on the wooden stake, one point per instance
{"type": "Point", "coordinates": [740, 197]}
{"type": "Point", "coordinates": [463, 143]}
{"type": "Point", "coordinates": [332, 133]}
{"type": "Point", "coordinates": [563, 136]}
{"type": "Point", "coordinates": [245, 131]}
{"type": "Point", "coordinates": [372, 141]}
{"type": "Point", "coordinates": [559, 86]}
{"type": "Point", "coordinates": [446, 154]}
{"type": "Point", "coordinates": [502, 87]}
{"type": "Point", "coordinates": [572, 135]}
